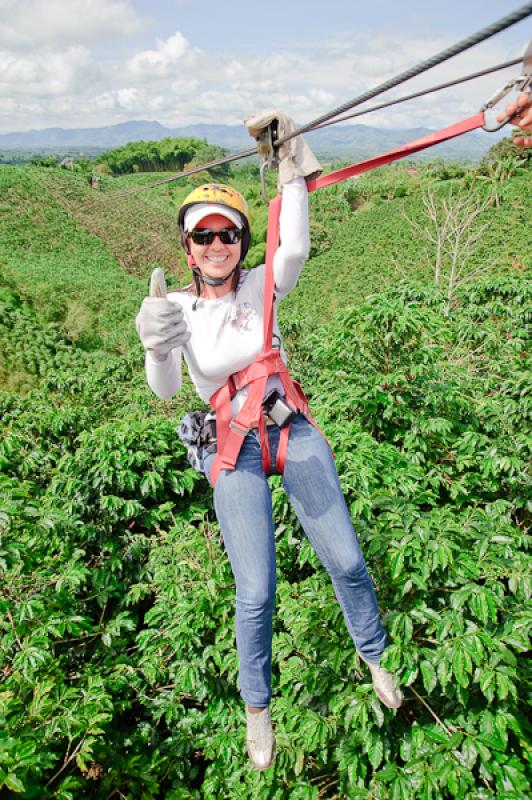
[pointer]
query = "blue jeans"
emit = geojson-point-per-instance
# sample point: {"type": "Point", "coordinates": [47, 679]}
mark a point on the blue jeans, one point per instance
{"type": "Point", "coordinates": [243, 504]}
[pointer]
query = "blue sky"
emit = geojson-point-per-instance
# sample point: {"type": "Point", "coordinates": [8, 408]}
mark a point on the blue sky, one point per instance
{"type": "Point", "coordinates": [279, 23]}
{"type": "Point", "coordinates": [87, 63]}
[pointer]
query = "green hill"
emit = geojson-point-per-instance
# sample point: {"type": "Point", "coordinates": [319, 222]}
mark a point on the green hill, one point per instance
{"type": "Point", "coordinates": [117, 658]}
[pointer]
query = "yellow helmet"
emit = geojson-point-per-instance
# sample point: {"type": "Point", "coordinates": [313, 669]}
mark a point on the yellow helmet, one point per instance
{"type": "Point", "coordinates": [218, 194]}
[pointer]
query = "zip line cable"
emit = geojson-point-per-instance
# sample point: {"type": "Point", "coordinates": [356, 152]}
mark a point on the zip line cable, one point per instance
{"type": "Point", "coordinates": [516, 16]}
{"type": "Point", "coordinates": [419, 94]}
{"type": "Point", "coordinates": [326, 119]}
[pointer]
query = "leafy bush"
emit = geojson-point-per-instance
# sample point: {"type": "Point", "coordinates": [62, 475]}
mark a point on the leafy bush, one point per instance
{"type": "Point", "coordinates": [505, 148]}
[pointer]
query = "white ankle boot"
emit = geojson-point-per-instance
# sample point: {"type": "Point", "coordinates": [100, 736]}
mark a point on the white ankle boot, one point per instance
{"type": "Point", "coordinates": [384, 686]}
{"type": "Point", "coordinates": [260, 739]}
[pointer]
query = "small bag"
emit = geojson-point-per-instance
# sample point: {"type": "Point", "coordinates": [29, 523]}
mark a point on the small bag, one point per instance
{"type": "Point", "coordinates": [197, 431]}
{"type": "Point", "coordinates": [277, 409]}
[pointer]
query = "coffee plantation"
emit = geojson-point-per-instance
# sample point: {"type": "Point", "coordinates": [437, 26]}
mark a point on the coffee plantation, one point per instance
{"type": "Point", "coordinates": [118, 663]}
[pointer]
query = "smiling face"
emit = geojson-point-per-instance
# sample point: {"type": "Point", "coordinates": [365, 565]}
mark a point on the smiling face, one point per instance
{"type": "Point", "coordinates": [215, 260]}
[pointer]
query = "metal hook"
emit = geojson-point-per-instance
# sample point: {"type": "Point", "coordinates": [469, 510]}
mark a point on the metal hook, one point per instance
{"type": "Point", "coordinates": [268, 154]}
{"type": "Point", "coordinates": [522, 84]}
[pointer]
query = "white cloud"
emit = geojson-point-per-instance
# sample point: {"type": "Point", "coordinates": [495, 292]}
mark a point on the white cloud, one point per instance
{"type": "Point", "coordinates": [32, 24]}
{"type": "Point", "coordinates": [177, 84]}
{"type": "Point", "coordinates": [162, 62]}
{"type": "Point", "coordinates": [134, 101]}
{"type": "Point", "coordinates": [45, 74]}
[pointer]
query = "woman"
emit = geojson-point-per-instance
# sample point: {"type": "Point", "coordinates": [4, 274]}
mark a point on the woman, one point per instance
{"type": "Point", "coordinates": [216, 324]}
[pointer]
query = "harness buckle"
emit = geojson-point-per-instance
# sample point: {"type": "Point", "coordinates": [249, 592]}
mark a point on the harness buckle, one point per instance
{"type": "Point", "coordinates": [237, 428]}
{"type": "Point", "coordinates": [521, 84]}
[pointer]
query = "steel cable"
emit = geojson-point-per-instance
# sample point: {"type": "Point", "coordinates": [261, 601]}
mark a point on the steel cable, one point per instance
{"type": "Point", "coordinates": [444, 55]}
{"type": "Point", "coordinates": [418, 94]}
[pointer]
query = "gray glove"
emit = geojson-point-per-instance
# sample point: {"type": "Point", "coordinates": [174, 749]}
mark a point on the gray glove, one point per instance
{"type": "Point", "coordinates": [160, 323]}
{"type": "Point", "coordinates": [295, 156]}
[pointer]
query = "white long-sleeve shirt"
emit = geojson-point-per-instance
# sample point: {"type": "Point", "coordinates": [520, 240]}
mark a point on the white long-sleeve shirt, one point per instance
{"type": "Point", "coordinates": [227, 332]}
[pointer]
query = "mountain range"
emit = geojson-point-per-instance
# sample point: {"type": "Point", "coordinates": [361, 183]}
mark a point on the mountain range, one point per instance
{"type": "Point", "coordinates": [334, 143]}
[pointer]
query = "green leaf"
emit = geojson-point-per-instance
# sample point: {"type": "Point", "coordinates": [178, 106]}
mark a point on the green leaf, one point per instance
{"type": "Point", "coordinates": [452, 782]}
{"type": "Point", "coordinates": [479, 606]}
{"type": "Point", "coordinates": [438, 735]}
{"type": "Point", "coordinates": [300, 761]}
{"type": "Point", "coordinates": [401, 788]}
{"type": "Point", "coordinates": [429, 676]}
{"type": "Point", "coordinates": [397, 562]}
{"type": "Point", "coordinates": [459, 667]}
{"type": "Point", "coordinates": [14, 783]}
{"type": "Point", "coordinates": [410, 674]}
{"type": "Point", "coordinates": [444, 671]}
{"type": "Point", "coordinates": [487, 681]}
{"type": "Point", "coordinates": [469, 753]}
{"type": "Point", "coordinates": [515, 778]}
{"type": "Point", "coordinates": [386, 773]}
{"type": "Point", "coordinates": [376, 752]}
{"type": "Point", "coordinates": [504, 686]}
{"type": "Point", "coordinates": [377, 711]}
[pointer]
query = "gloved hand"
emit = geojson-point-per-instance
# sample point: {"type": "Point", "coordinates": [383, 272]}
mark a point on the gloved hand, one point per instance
{"type": "Point", "coordinates": [160, 323]}
{"type": "Point", "coordinates": [295, 156]}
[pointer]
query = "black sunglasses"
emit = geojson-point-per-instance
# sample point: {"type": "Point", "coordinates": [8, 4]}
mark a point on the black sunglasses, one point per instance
{"type": "Point", "coordinates": [226, 235]}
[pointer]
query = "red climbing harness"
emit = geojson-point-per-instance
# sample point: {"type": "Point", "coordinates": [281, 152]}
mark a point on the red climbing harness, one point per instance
{"type": "Point", "coordinates": [230, 433]}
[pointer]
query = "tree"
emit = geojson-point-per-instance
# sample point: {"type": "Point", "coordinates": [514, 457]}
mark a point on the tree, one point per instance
{"type": "Point", "coordinates": [44, 161]}
{"type": "Point", "coordinates": [453, 232]}
{"type": "Point", "coordinates": [169, 154]}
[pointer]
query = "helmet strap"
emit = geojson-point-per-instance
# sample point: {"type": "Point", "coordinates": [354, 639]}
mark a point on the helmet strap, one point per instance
{"type": "Point", "coordinates": [199, 279]}
{"type": "Point", "coordinates": [210, 281]}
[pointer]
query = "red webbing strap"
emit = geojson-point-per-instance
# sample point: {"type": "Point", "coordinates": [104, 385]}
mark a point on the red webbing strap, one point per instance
{"type": "Point", "coordinates": [221, 404]}
{"type": "Point", "coordinates": [466, 125]}
{"type": "Point", "coordinates": [231, 433]}
{"type": "Point", "coordinates": [265, 453]}
{"type": "Point", "coordinates": [234, 431]}
{"type": "Point", "coordinates": [272, 242]}
{"type": "Point", "coordinates": [280, 461]}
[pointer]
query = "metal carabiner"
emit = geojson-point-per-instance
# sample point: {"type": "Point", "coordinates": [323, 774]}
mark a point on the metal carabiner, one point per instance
{"type": "Point", "coordinates": [268, 154]}
{"type": "Point", "coordinates": [523, 83]}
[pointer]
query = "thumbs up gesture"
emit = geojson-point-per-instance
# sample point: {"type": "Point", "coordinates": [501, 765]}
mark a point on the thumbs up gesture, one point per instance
{"type": "Point", "coordinates": [160, 322]}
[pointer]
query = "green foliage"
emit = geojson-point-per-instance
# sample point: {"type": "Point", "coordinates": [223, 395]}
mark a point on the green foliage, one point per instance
{"type": "Point", "coordinates": [44, 161]}
{"type": "Point", "coordinates": [445, 171]}
{"type": "Point", "coordinates": [117, 655]}
{"type": "Point", "coordinates": [505, 148]}
{"type": "Point", "coordinates": [168, 154]}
